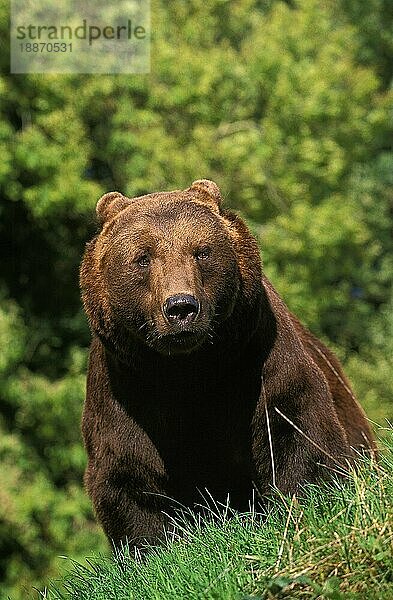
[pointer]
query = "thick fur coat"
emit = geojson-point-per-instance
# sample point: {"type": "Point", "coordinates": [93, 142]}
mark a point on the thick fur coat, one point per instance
{"type": "Point", "coordinates": [199, 377]}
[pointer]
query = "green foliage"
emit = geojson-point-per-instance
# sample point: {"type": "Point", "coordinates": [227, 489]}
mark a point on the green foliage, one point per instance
{"type": "Point", "coordinates": [43, 509]}
{"type": "Point", "coordinates": [337, 543]}
{"type": "Point", "coordinates": [371, 370]}
{"type": "Point", "coordinates": [321, 111]}
{"type": "Point", "coordinates": [305, 246]}
{"type": "Point", "coordinates": [286, 105]}
{"type": "Point", "coordinates": [374, 20]}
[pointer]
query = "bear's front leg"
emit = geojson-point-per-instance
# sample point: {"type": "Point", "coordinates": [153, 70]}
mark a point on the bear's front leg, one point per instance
{"type": "Point", "coordinates": [128, 506]}
{"type": "Point", "coordinates": [297, 436]}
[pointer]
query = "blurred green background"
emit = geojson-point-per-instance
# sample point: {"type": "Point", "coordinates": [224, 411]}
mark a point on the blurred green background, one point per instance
{"type": "Point", "coordinates": [288, 107]}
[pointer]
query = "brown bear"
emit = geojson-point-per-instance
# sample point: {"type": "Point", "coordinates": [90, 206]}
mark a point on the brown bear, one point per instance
{"type": "Point", "coordinates": [199, 377]}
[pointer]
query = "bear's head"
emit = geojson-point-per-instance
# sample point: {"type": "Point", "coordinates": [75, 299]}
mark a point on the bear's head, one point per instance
{"type": "Point", "coordinates": [168, 269]}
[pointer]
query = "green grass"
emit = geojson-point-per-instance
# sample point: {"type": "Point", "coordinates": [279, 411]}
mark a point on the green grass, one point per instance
{"type": "Point", "coordinates": [337, 543]}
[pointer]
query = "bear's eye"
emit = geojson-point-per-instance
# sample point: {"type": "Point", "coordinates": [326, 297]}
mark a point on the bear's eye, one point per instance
{"type": "Point", "coordinates": [143, 260]}
{"type": "Point", "coordinates": [202, 253]}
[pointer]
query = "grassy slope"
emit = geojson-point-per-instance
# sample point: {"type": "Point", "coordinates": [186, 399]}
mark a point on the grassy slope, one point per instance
{"type": "Point", "coordinates": [337, 543]}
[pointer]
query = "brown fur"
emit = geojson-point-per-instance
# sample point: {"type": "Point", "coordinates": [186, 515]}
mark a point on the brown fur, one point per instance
{"type": "Point", "coordinates": [243, 395]}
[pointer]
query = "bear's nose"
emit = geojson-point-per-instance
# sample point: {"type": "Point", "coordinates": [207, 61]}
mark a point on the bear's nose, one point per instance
{"type": "Point", "coordinates": [182, 308]}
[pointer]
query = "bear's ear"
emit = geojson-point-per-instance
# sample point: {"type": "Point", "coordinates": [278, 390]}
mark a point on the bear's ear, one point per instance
{"type": "Point", "coordinates": [210, 192]}
{"type": "Point", "coordinates": [109, 205]}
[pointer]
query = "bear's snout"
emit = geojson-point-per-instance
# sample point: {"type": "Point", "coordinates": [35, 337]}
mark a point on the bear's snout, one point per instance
{"type": "Point", "coordinates": [181, 309]}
